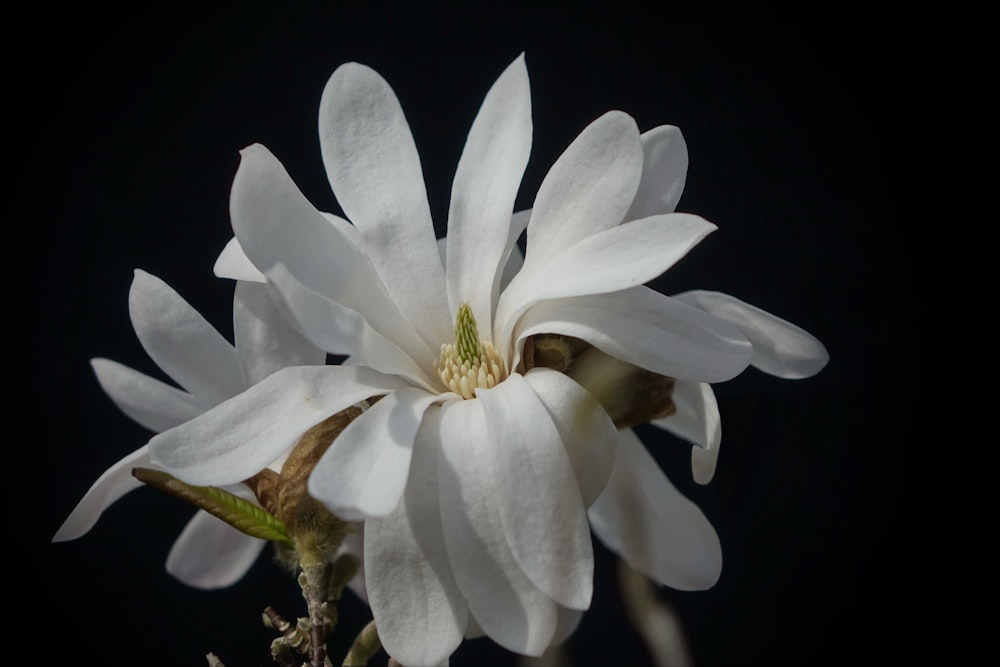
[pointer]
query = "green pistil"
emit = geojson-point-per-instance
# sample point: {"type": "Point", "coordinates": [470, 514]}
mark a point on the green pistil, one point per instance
{"type": "Point", "coordinates": [466, 335]}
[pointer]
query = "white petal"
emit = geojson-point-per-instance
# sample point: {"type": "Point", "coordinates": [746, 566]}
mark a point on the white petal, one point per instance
{"type": "Point", "coordinates": [276, 224]}
{"type": "Point", "coordinates": [374, 170]}
{"type": "Point", "coordinates": [233, 263]}
{"type": "Point", "coordinates": [697, 420]}
{"type": "Point", "coordinates": [114, 483]}
{"type": "Point", "coordinates": [420, 613]}
{"type": "Point", "coordinates": [569, 620]}
{"type": "Point", "coordinates": [586, 430]}
{"type": "Point", "coordinates": [779, 348]}
{"type": "Point", "coordinates": [647, 329]}
{"type": "Point", "coordinates": [588, 189]}
{"type": "Point", "coordinates": [265, 340]}
{"type": "Point", "coordinates": [245, 434]}
{"type": "Point", "coordinates": [211, 554]}
{"type": "Point", "coordinates": [643, 518]}
{"type": "Point", "coordinates": [341, 330]}
{"type": "Point", "coordinates": [664, 172]}
{"type": "Point", "coordinates": [153, 404]}
{"type": "Point", "coordinates": [480, 228]}
{"type": "Point", "coordinates": [503, 601]}
{"type": "Point", "coordinates": [540, 504]}
{"type": "Point", "coordinates": [364, 471]}
{"type": "Point", "coordinates": [182, 342]}
{"type": "Point", "coordinates": [618, 258]}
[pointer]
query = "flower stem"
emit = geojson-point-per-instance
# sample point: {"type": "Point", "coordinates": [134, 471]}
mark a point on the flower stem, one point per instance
{"type": "Point", "coordinates": [364, 648]}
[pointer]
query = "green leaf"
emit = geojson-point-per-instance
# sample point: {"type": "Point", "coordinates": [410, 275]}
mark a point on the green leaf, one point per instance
{"type": "Point", "coordinates": [238, 513]}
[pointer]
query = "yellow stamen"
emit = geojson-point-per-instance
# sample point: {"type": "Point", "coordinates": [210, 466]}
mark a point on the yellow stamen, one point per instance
{"type": "Point", "coordinates": [469, 363]}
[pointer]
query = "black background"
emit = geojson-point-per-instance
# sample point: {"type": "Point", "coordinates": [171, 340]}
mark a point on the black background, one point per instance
{"type": "Point", "coordinates": [831, 149]}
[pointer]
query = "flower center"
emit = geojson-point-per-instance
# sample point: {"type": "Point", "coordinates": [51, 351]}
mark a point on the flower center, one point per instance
{"type": "Point", "coordinates": [469, 363]}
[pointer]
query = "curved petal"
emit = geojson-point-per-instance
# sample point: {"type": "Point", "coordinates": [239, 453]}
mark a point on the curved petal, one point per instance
{"type": "Point", "coordinates": [779, 347]}
{"type": "Point", "coordinates": [243, 435]}
{"type": "Point", "coordinates": [643, 518]}
{"type": "Point", "coordinates": [586, 430]}
{"type": "Point", "coordinates": [503, 601]}
{"type": "Point", "coordinates": [609, 261]}
{"type": "Point", "coordinates": [276, 224]}
{"type": "Point", "coordinates": [182, 342]}
{"type": "Point", "coordinates": [211, 554]}
{"type": "Point", "coordinates": [482, 195]}
{"type": "Point", "coordinates": [374, 169]}
{"type": "Point", "coordinates": [341, 330]}
{"type": "Point", "coordinates": [363, 473]}
{"type": "Point", "coordinates": [420, 613]}
{"type": "Point", "coordinates": [114, 483]}
{"type": "Point", "coordinates": [664, 172]}
{"type": "Point", "coordinates": [539, 500]}
{"type": "Point", "coordinates": [588, 189]}
{"type": "Point", "coordinates": [153, 404]}
{"type": "Point", "coordinates": [697, 420]}
{"type": "Point", "coordinates": [265, 340]}
{"type": "Point", "coordinates": [647, 329]}
{"type": "Point", "coordinates": [233, 263]}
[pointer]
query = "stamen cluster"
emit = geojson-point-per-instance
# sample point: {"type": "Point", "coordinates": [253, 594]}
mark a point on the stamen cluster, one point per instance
{"type": "Point", "coordinates": [469, 363]}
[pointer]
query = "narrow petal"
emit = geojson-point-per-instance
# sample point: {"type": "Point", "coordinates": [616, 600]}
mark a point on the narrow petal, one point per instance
{"type": "Point", "coordinates": [664, 172]}
{"type": "Point", "coordinates": [420, 613]}
{"type": "Point", "coordinates": [585, 429]}
{"type": "Point", "coordinates": [779, 347]}
{"type": "Point", "coordinates": [374, 170]}
{"type": "Point", "coordinates": [363, 473]}
{"type": "Point", "coordinates": [609, 261]}
{"type": "Point", "coordinates": [341, 330]}
{"type": "Point", "coordinates": [243, 435]}
{"type": "Point", "coordinates": [153, 404]}
{"type": "Point", "coordinates": [482, 195]}
{"type": "Point", "coordinates": [211, 554]}
{"type": "Point", "coordinates": [539, 500]}
{"type": "Point", "coordinates": [697, 420]}
{"type": "Point", "coordinates": [503, 601]}
{"type": "Point", "coordinates": [276, 224]}
{"type": "Point", "coordinates": [182, 342]}
{"type": "Point", "coordinates": [265, 340]}
{"type": "Point", "coordinates": [588, 189]}
{"type": "Point", "coordinates": [233, 263]}
{"type": "Point", "coordinates": [643, 518]}
{"type": "Point", "coordinates": [647, 329]}
{"type": "Point", "coordinates": [109, 487]}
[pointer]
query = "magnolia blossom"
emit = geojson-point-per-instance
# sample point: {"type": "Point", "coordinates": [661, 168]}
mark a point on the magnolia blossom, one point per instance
{"type": "Point", "coordinates": [475, 470]}
{"type": "Point", "coordinates": [208, 553]}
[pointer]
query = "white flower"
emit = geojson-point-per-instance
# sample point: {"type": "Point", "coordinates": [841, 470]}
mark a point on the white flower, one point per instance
{"type": "Point", "coordinates": [208, 553]}
{"type": "Point", "coordinates": [473, 481]}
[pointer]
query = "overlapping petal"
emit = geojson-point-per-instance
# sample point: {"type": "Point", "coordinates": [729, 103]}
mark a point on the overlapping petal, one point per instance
{"type": "Point", "coordinates": [647, 329]}
{"type": "Point", "coordinates": [480, 224]}
{"type": "Point", "coordinates": [364, 472]}
{"type": "Point", "coordinates": [615, 259]}
{"type": "Point", "coordinates": [243, 435]}
{"type": "Point", "coordinates": [265, 341]}
{"type": "Point", "coordinates": [588, 189]}
{"type": "Point", "coordinates": [642, 517]}
{"type": "Point", "coordinates": [182, 343]}
{"type": "Point", "coordinates": [420, 613]}
{"type": "Point", "coordinates": [374, 169]}
{"type": "Point", "coordinates": [211, 554]}
{"type": "Point", "coordinates": [114, 483]}
{"type": "Point", "coordinates": [547, 533]}
{"type": "Point", "coordinates": [504, 602]}
{"type": "Point", "coordinates": [664, 172]}
{"type": "Point", "coordinates": [697, 420]}
{"type": "Point", "coordinates": [780, 348]}
{"type": "Point", "coordinates": [150, 402]}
